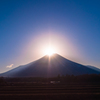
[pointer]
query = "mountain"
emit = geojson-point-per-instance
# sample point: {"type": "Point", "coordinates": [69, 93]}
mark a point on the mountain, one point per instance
{"type": "Point", "coordinates": [49, 67]}
{"type": "Point", "coordinates": [94, 68]}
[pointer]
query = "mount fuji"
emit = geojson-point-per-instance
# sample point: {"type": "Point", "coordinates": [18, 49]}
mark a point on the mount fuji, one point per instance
{"type": "Point", "coordinates": [50, 67]}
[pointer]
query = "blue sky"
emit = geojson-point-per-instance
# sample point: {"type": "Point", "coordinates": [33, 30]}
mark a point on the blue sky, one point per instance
{"type": "Point", "coordinates": [25, 24]}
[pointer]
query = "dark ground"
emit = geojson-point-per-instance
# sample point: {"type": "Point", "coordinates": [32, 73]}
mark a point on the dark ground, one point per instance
{"type": "Point", "coordinates": [37, 91]}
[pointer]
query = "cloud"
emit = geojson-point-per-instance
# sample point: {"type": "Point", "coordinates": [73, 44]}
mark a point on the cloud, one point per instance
{"type": "Point", "coordinates": [9, 66]}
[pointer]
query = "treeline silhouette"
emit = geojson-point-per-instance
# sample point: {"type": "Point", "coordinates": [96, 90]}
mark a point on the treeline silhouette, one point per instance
{"type": "Point", "coordinates": [60, 78]}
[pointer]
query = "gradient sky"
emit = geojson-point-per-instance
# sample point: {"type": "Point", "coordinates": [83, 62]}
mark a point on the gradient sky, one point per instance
{"type": "Point", "coordinates": [27, 26]}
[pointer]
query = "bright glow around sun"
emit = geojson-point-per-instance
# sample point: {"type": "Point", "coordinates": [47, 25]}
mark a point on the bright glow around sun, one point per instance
{"type": "Point", "coordinates": [50, 51]}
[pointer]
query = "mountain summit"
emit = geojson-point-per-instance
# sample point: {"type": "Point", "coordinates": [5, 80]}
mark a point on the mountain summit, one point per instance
{"type": "Point", "coordinates": [49, 67]}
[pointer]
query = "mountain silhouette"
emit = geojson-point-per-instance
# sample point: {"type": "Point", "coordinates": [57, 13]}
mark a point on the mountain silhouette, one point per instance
{"type": "Point", "coordinates": [49, 67]}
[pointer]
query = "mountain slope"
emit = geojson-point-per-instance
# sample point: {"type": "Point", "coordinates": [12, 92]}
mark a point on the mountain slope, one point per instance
{"type": "Point", "coordinates": [49, 67]}
{"type": "Point", "coordinates": [94, 68]}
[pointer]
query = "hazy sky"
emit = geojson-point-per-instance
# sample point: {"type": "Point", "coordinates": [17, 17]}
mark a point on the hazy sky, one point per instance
{"type": "Point", "coordinates": [27, 27]}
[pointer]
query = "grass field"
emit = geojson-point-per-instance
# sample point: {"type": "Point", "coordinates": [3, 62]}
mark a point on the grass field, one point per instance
{"type": "Point", "coordinates": [71, 91]}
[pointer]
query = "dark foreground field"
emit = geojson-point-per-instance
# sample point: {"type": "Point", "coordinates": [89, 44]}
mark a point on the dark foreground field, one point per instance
{"type": "Point", "coordinates": [31, 91]}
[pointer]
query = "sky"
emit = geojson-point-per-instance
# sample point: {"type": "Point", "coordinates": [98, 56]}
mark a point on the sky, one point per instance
{"type": "Point", "coordinates": [27, 27]}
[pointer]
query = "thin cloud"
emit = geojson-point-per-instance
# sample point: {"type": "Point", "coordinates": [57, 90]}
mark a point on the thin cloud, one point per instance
{"type": "Point", "coordinates": [9, 66]}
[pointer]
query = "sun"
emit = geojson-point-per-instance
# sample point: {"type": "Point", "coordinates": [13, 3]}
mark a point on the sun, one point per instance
{"type": "Point", "coordinates": [50, 51]}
